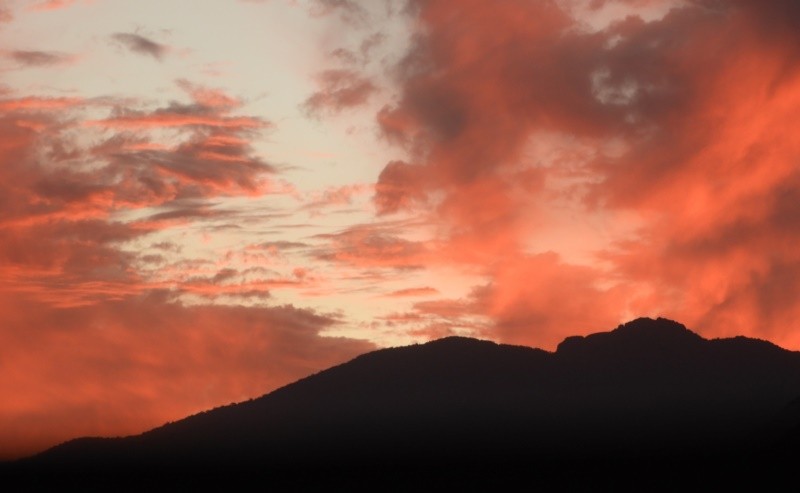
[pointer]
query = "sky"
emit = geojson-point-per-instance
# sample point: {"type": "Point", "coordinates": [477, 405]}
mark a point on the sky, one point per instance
{"type": "Point", "coordinates": [204, 200]}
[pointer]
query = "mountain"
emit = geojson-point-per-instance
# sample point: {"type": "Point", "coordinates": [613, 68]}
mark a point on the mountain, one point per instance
{"type": "Point", "coordinates": [649, 396]}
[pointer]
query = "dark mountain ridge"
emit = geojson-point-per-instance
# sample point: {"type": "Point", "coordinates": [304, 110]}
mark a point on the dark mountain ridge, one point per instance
{"type": "Point", "coordinates": [650, 391]}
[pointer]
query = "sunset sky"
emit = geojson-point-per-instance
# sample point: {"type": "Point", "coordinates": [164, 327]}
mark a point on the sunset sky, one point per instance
{"type": "Point", "coordinates": [203, 200]}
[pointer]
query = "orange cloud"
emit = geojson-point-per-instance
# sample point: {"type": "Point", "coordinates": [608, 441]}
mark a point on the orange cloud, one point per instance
{"type": "Point", "coordinates": [413, 292]}
{"type": "Point", "coordinates": [5, 14]}
{"type": "Point", "coordinates": [101, 344]}
{"type": "Point", "coordinates": [123, 367]}
{"type": "Point", "coordinates": [538, 300]}
{"type": "Point", "coordinates": [37, 103]}
{"type": "Point", "coordinates": [514, 119]}
{"type": "Point", "coordinates": [52, 5]}
{"type": "Point", "coordinates": [701, 104]}
{"type": "Point", "coordinates": [63, 236]}
{"type": "Point", "coordinates": [167, 120]}
{"type": "Point", "coordinates": [373, 246]}
{"type": "Point", "coordinates": [208, 97]}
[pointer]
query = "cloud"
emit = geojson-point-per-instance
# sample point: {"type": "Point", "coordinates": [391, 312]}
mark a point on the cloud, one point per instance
{"type": "Point", "coordinates": [175, 117]}
{"type": "Point", "coordinates": [34, 103]}
{"type": "Point", "coordinates": [68, 199]}
{"type": "Point", "coordinates": [229, 283]}
{"type": "Point", "coordinates": [531, 300]}
{"type": "Point", "coordinates": [349, 11]}
{"type": "Point", "coordinates": [523, 117]}
{"type": "Point", "coordinates": [208, 97]}
{"type": "Point", "coordinates": [215, 157]}
{"type": "Point", "coordinates": [204, 165]}
{"type": "Point", "coordinates": [5, 14]}
{"type": "Point", "coordinates": [658, 143]}
{"type": "Point", "coordinates": [210, 109]}
{"type": "Point", "coordinates": [537, 300]}
{"type": "Point", "coordinates": [141, 45]}
{"type": "Point", "coordinates": [413, 292]}
{"type": "Point", "coordinates": [52, 5]}
{"type": "Point", "coordinates": [93, 294]}
{"type": "Point", "coordinates": [373, 245]}
{"type": "Point", "coordinates": [715, 184]}
{"type": "Point", "coordinates": [126, 366]}
{"type": "Point", "coordinates": [281, 245]}
{"type": "Point", "coordinates": [339, 90]}
{"type": "Point", "coordinates": [436, 318]}
{"type": "Point", "coordinates": [469, 101]}
{"type": "Point", "coordinates": [39, 58]}
{"type": "Point", "coordinates": [399, 187]}
{"type": "Point", "coordinates": [335, 196]}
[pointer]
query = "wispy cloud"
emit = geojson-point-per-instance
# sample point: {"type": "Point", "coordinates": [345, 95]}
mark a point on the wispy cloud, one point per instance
{"type": "Point", "coordinates": [349, 11]}
{"type": "Point", "coordinates": [32, 58]}
{"type": "Point", "coordinates": [141, 45]}
{"type": "Point", "coordinates": [413, 292]}
{"type": "Point", "coordinates": [5, 14]}
{"type": "Point", "coordinates": [52, 5]}
{"type": "Point", "coordinates": [339, 90]}
{"type": "Point", "coordinates": [69, 210]}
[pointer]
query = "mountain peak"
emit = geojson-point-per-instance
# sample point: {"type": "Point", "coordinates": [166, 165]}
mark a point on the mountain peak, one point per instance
{"type": "Point", "coordinates": [658, 328]}
{"type": "Point", "coordinates": [655, 326]}
{"type": "Point", "coordinates": [641, 333]}
{"type": "Point", "coordinates": [649, 385]}
{"type": "Point", "coordinates": [458, 341]}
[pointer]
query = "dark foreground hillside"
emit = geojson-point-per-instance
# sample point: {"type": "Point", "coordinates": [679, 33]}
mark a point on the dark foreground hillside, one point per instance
{"type": "Point", "coordinates": [649, 405]}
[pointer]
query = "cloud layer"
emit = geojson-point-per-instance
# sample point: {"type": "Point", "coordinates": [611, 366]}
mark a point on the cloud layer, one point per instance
{"type": "Point", "coordinates": [538, 169]}
{"type": "Point", "coordinates": [513, 113]}
{"type": "Point", "coordinates": [103, 340]}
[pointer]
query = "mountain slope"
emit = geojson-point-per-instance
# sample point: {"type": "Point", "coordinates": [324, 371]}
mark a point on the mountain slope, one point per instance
{"type": "Point", "coordinates": [650, 388]}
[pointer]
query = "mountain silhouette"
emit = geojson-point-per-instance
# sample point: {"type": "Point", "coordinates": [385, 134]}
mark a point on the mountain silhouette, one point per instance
{"type": "Point", "coordinates": [649, 396]}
